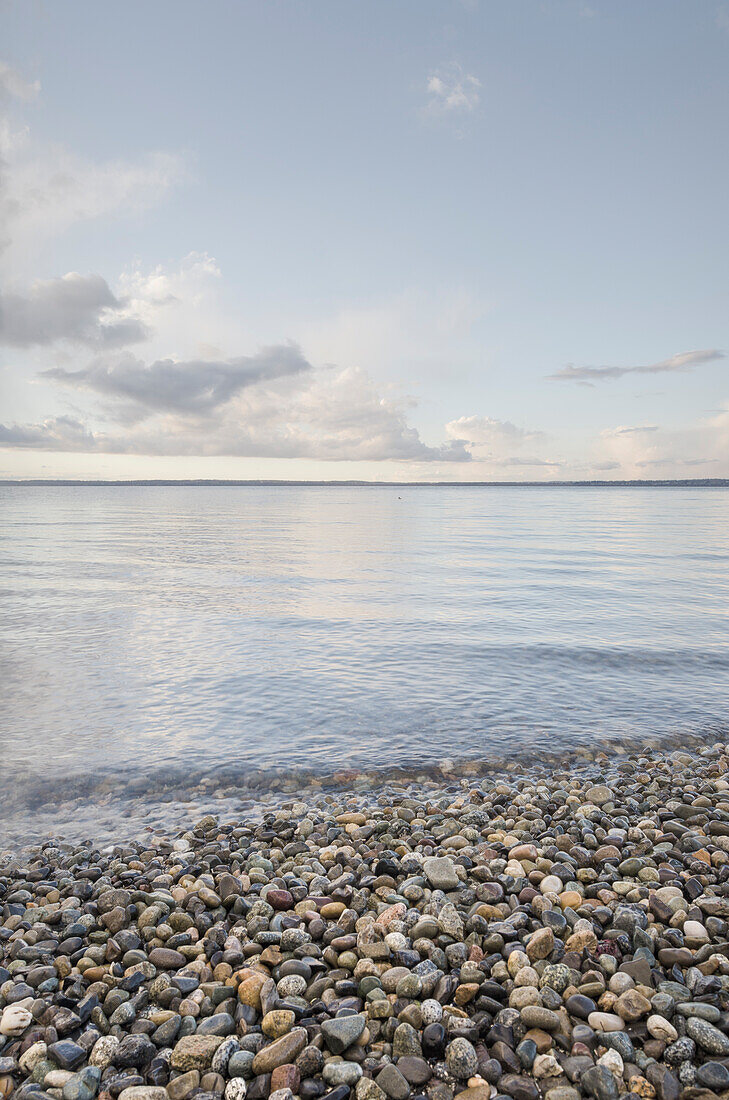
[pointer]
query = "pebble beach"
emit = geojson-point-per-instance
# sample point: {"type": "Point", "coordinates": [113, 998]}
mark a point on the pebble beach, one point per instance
{"type": "Point", "coordinates": [547, 932]}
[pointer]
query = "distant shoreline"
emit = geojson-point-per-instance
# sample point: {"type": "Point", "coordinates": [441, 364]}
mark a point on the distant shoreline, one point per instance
{"type": "Point", "coordinates": [684, 483]}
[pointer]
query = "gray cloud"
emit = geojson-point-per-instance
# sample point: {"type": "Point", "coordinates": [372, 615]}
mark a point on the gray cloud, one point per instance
{"type": "Point", "coordinates": [194, 387]}
{"type": "Point", "coordinates": [58, 433]}
{"type": "Point", "coordinates": [676, 462]}
{"type": "Point", "coordinates": [77, 308]}
{"type": "Point", "coordinates": [684, 361]}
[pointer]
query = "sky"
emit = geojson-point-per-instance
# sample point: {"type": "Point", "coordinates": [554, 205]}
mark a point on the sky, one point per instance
{"type": "Point", "coordinates": [460, 240]}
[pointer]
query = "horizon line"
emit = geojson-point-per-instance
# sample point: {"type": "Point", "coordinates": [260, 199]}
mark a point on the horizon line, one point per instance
{"type": "Point", "coordinates": [716, 482]}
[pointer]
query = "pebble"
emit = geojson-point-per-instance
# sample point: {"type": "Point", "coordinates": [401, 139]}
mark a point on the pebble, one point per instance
{"type": "Point", "coordinates": [551, 933]}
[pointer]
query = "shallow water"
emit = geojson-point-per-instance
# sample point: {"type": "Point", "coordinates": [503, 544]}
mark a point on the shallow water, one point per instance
{"type": "Point", "coordinates": [152, 633]}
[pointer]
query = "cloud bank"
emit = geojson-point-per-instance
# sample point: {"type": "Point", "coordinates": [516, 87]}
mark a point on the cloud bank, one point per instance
{"type": "Point", "coordinates": [271, 405]}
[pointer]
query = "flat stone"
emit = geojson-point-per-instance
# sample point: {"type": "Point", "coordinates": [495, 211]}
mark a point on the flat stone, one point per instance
{"type": "Point", "coordinates": [182, 1086]}
{"type": "Point", "coordinates": [14, 1020]}
{"type": "Point", "coordinates": [441, 873]}
{"type": "Point", "coordinates": [281, 1051]}
{"type": "Point", "coordinates": [338, 1073]}
{"type": "Point", "coordinates": [708, 1037]}
{"type": "Point", "coordinates": [392, 1083]}
{"type": "Point", "coordinates": [713, 1075]}
{"type": "Point", "coordinates": [605, 1021]}
{"type": "Point", "coordinates": [543, 1018]}
{"type": "Point", "coordinates": [143, 1092]}
{"type": "Point", "coordinates": [166, 959]}
{"type": "Point", "coordinates": [195, 1052]}
{"type": "Point", "coordinates": [415, 1070]}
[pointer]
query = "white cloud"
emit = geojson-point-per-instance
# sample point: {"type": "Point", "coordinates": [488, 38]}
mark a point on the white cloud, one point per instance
{"type": "Point", "coordinates": [637, 430]}
{"type": "Point", "coordinates": [188, 281]}
{"type": "Point", "coordinates": [451, 90]}
{"type": "Point", "coordinates": [699, 447]}
{"type": "Point", "coordinates": [412, 334]}
{"type": "Point", "coordinates": [488, 431]}
{"type": "Point", "coordinates": [77, 308]}
{"type": "Point", "coordinates": [46, 189]}
{"type": "Point", "coordinates": [14, 86]}
{"type": "Point", "coordinates": [515, 460]}
{"type": "Point", "coordinates": [180, 303]}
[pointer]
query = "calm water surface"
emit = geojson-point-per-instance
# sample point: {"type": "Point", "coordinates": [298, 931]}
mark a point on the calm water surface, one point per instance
{"type": "Point", "coordinates": [158, 628]}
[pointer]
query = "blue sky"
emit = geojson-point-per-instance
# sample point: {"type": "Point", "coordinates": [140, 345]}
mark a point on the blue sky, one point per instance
{"type": "Point", "coordinates": [379, 240]}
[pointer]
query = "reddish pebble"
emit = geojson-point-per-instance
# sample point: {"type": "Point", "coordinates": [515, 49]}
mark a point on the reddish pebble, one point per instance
{"type": "Point", "coordinates": [286, 1077]}
{"type": "Point", "coordinates": [280, 899]}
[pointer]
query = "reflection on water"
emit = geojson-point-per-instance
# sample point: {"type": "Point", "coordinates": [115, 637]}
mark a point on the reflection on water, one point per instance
{"type": "Point", "coordinates": [158, 627]}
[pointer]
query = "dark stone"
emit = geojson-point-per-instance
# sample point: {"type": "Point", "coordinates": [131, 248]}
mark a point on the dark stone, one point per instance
{"type": "Point", "coordinates": [520, 1088]}
{"type": "Point", "coordinates": [713, 1075]}
{"type": "Point", "coordinates": [580, 1006]}
{"type": "Point", "coordinates": [66, 1054]}
{"type": "Point", "coordinates": [663, 1081]}
{"type": "Point", "coordinates": [599, 1082]}
{"type": "Point", "coordinates": [134, 1052]}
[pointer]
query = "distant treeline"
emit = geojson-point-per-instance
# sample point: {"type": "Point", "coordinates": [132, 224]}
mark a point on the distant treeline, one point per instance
{"type": "Point", "coordinates": [681, 483]}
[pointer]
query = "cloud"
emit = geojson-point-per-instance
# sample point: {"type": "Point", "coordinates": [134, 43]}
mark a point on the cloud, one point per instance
{"type": "Point", "coordinates": [673, 461]}
{"type": "Point", "coordinates": [518, 461]}
{"type": "Point", "coordinates": [685, 361]}
{"type": "Point", "coordinates": [57, 433]}
{"type": "Point", "coordinates": [638, 430]}
{"type": "Point", "coordinates": [193, 387]}
{"type": "Point", "coordinates": [77, 308]}
{"type": "Point", "coordinates": [451, 90]}
{"type": "Point", "coordinates": [187, 284]}
{"type": "Point", "coordinates": [45, 189]}
{"type": "Point", "coordinates": [413, 334]}
{"type": "Point", "coordinates": [487, 430]}
{"type": "Point", "coordinates": [673, 451]}
{"type": "Point", "coordinates": [14, 86]}
{"type": "Point", "coordinates": [272, 405]}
